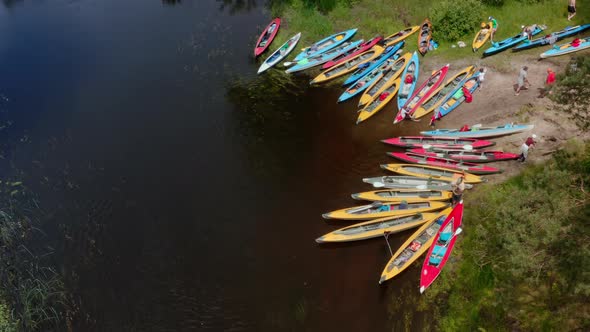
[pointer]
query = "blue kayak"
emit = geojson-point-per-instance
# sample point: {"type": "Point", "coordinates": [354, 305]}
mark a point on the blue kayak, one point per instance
{"type": "Point", "coordinates": [477, 131]}
{"type": "Point", "coordinates": [325, 44]}
{"type": "Point", "coordinates": [570, 47]}
{"type": "Point", "coordinates": [365, 68]}
{"type": "Point", "coordinates": [456, 97]}
{"type": "Point", "coordinates": [406, 90]}
{"type": "Point", "coordinates": [367, 80]}
{"type": "Point", "coordinates": [552, 38]}
{"type": "Point", "coordinates": [507, 43]}
{"type": "Point", "coordinates": [319, 59]}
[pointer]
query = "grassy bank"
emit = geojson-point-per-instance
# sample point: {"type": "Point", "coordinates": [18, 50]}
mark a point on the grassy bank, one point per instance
{"type": "Point", "coordinates": [383, 17]}
{"type": "Point", "coordinates": [522, 261]}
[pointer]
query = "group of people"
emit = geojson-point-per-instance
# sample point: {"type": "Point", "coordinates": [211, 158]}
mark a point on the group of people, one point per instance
{"type": "Point", "coordinates": [523, 80]}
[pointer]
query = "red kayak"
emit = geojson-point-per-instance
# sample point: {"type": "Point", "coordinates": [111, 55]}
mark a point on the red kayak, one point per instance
{"type": "Point", "coordinates": [441, 248]}
{"type": "Point", "coordinates": [422, 93]}
{"type": "Point", "coordinates": [267, 36]}
{"type": "Point", "coordinates": [352, 53]}
{"type": "Point", "coordinates": [474, 156]}
{"type": "Point", "coordinates": [414, 158]}
{"type": "Point", "coordinates": [438, 142]}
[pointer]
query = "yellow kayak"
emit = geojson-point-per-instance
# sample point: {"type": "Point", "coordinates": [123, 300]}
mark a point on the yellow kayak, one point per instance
{"type": "Point", "coordinates": [399, 36]}
{"type": "Point", "coordinates": [431, 172]}
{"type": "Point", "coordinates": [348, 66]}
{"type": "Point", "coordinates": [438, 96]}
{"type": "Point", "coordinates": [408, 195]}
{"type": "Point", "coordinates": [481, 37]}
{"type": "Point", "coordinates": [386, 80]}
{"type": "Point", "coordinates": [416, 245]}
{"type": "Point", "coordinates": [383, 209]}
{"type": "Point", "coordinates": [375, 228]}
{"type": "Point", "coordinates": [378, 102]}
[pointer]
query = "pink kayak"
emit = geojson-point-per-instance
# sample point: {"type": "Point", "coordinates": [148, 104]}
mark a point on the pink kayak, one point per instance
{"type": "Point", "coordinates": [422, 93]}
{"type": "Point", "coordinates": [474, 156]}
{"type": "Point", "coordinates": [438, 142]}
{"type": "Point", "coordinates": [473, 168]}
{"type": "Point", "coordinates": [442, 246]}
{"type": "Point", "coordinates": [352, 53]}
{"type": "Point", "coordinates": [267, 36]}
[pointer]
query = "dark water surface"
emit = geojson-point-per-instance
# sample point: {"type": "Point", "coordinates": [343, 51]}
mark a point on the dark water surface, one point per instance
{"type": "Point", "coordinates": [180, 195]}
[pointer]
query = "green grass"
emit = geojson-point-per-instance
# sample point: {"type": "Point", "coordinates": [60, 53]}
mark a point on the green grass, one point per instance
{"type": "Point", "coordinates": [385, 17]}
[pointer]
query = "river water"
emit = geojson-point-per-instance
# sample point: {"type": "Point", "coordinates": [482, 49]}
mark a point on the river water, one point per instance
{"type": "Point", "coordinates": [182, 191]}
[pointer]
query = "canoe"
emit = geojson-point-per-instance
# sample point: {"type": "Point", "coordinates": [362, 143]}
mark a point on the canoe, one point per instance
{"type": "Point", "coordinates": [441, 248]}
{"type": "Point", "coordinates": [456, 98]}
{"type": "Point", "coordinates": [421, 94]}
{"type": "Point", "coordinates": [477, 131]}
{"type": "Point", "coordinates": [280, 53]}
{"type": "Point", "coordinates": [267, 36]}
{"type": "Point", "coordinates": [431, 172]}
{"type": "Point", "coordinates": [410, 182]}
{"type": "Point", "coordinates": [387, 80]}
{"type": "Point", "coordinates": [325, 44]}
{"type": "Point", "coordinates": [408, 195]}
{"type": "Point", "coordinates": [470, 156]}
{"type": "Point", "coordinates": [442, 92]}
{"type": "Point", "coordinates": [366, 81]}
{"type": "Point", "coordinates": [508, 42]}
{"type": "Point", "coordinates": [376, 227]}
{"type": "Point", "coordinates": [317, 60]}
{"type": "Point", "coordinates": [378, 102]}
{"type": "Point", "coordinates": [424, 37]}
{"type": "Point", "coordinates": [406, 89]}
{"type": "Point", "coordinates": [399, 36]}
{"type": "Point", "coordinates": [552, 38]}
{"type": "Point", "coordinates": [473, 168]}
{"type": "Point", "coordinates": [382, 210]}
{"type": "Point", "coordinates": [352, 53]}
{"type": "Point", "coordinates": [481, 37]}
{"type": "Point", "coordinates": [366, 67]}
{"type": "Point", "coordinates": [414, 247]}
{"type": "Point", "coordinates": [566, 48]}
{"type": "Point", "coordinates": [437, 142]}
{"type": "Point", "coordinates": [349, 65]}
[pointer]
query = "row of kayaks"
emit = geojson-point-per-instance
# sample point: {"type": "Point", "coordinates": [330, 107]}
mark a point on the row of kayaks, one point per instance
{"type": "Point", "coordinates": [418, 197]}
{"type": "Point", "coordinates": [521, 42]}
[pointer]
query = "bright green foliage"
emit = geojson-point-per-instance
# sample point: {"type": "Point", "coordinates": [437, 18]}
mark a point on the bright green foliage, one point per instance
{"type": "Point", "coordinates": [524, 256]}
{"type": "Point", "coordinates": [453, 19]}
{"type": "Point", "coordinates": [572, 91]}
{"type": "Point", "coordinates": [497, 3]}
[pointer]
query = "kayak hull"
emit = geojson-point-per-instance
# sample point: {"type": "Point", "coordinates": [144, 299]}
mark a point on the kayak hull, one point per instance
{"type": "Point", "coordinates": [480, 132]}
{"type": "Point", "coordinates": [325, 44]}
{"type": "Point", "coordinates": [566, 49]}
{"type": "Point", "coordinates": [349, 55]}
{"type": "Point", "coordinates": [279, 54]}
{"type": "Point", "coordinates": [424, 37]}
{"type": "Point", "coordinates": [408, 195]}
{"type": "Point", "coordinates": [407, 89]}
{"type": "Point", "coordinates": [508, 43]}
{"type": "Point", "coordinates": [473, 168]}
{"type": "Point", "coordinates": [552, 38]}
{"type": "Point", "coordinates": [382, 210]}
{"type": "Point", "coordinates": [469, 156]}
{"type": "Point", "coordinates": [265, 38]}
{"type": "Point", "coordinates": [431, 172]}
{"type": "Point", "coordinates": [437, 142]}
{"type": "Point", "coordinates": [399, 36]}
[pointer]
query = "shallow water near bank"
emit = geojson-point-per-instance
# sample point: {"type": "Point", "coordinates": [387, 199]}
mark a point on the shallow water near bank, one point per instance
{"type": "Point", "coordinates": [183, 191]}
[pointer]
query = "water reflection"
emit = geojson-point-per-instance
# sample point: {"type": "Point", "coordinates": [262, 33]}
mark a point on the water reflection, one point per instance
{"type": "Point", "coordinates": [171, 2]}
{"type": "Point", "coordinates": [236, 6]}
{"type": "Point", "coordinates": [10, 3]}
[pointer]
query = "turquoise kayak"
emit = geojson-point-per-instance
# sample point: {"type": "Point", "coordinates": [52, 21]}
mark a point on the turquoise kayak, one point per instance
{"type": "Point", "coordinates": [366, 81]}
{"type": "Point", "coordinates": [325, 44]}
{"type": "Point", "coordinates": [567, 48]}
{"type": "Point", "coordinates": [456, 97]}
{"type": "Point", "coordinates": [477, 131]}
{"type": "Point", "coordinates": [407, 89]}
{"type": "Point", "coordinates": [508, 43]}
{"type": "Point", "coordinates": [552, 38]}
{"type": "Point", "coordinates": [367, 67]}
{"type": "Point", "coordinates": [319, 59]}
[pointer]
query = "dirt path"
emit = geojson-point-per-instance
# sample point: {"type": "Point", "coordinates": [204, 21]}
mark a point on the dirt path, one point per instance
{"type": "Point", "coordinates": [496, 104]}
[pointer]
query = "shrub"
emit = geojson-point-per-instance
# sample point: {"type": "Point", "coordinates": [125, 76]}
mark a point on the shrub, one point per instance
{"type": "Point", "coordinates": [572, 91]}
{"type": "Point", "coordinates": [497, 3]}
{"type": "Point", "coordinates": [453, 19]}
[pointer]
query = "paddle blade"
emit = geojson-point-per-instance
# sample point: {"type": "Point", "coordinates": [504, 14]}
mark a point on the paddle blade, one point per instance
{"type": "Point", "coordinates": [378, 184]}
{"type": "Point", "coordinates": [458, 231]}
{"type": "Point", "coordinates": [468, 147]}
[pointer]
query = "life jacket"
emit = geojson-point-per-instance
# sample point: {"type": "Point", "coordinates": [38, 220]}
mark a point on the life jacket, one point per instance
{"type": "Point", "coordinates": [409, 79]}
{"type": "Point", "coordinates": [464, 128]}
{"type": "Point", "coordinates": [467, 94]}
{"type": "Point", "coordinates": [383, 96]}
{"type": "Point", "coordinates": [576, 42]}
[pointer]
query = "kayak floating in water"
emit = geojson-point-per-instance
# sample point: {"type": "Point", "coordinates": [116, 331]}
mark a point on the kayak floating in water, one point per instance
{"type": "Point", "coordinates": [267, 36]}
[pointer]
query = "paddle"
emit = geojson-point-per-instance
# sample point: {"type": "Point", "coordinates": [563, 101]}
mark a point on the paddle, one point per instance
{"type": "Point", "coordinates": [289, 63]}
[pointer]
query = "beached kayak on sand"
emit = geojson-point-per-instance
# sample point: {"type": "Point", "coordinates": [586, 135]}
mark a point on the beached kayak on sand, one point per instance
{"type": "Point", "coordinates": [393, 72]}
{"type": "Point", "coordinates": [383, 209]}
{"type": "Point", "coordinates": [482, 36]}
{"type": "Point", "coordinates": [437, 142]}
{"type": "Point", "coordinates": [431, 172]}
{"type": "Point", "coordinates": [508, 43]}
{"type": "Point", "coordinates": [325, 44]}
{"type": "Point", "coordinates": [552, 38]}
{"type": "Point", "coordinates": [424, 37]}
{"type": "Point", "coordinates": [348, 65]}
{"type": "Point", "coordinates": [317, 60]}
{"type": "Point", "coordinates": [352, 53]}
{"type": "Point", "coordinates": [366, 67]}
{"type": "Point", "coordinates": [477, 131]}
{"type": "Point", "coordinates": [379, 102]}
{"type": "Point", "coordinates": [456, 97]}
{"type": "Point", "coordinates": [574, 46]}
{"type": "Point", "coordinates": [399, 36]}
{"type": "Point", "coordinates": [473, 168]}
{"type": "Point", "coordinates": [410, 182]}
{"type": "Point", "coordinates": [280, 53]}
{"type": "Point", "coordinates": [470, 156]}
{"type": "Point", "coordinates": [408, 80]}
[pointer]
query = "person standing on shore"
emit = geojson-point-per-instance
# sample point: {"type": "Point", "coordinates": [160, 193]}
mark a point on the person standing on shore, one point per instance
{"type": "Point", "coordinates": [522, 79]}
{"type": "Point", "coordinates": [481, 77]}
{"type": "Point", "coordinates": [494, 28]}
{"type": "Point", "coordinates": [571, 9]}
{"type": "Point", "coordinates": [524, 148]}
{"type": "Point", "coordinates": [549, 81]}
{"type": "Point", "coordinates": [458, 186]}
